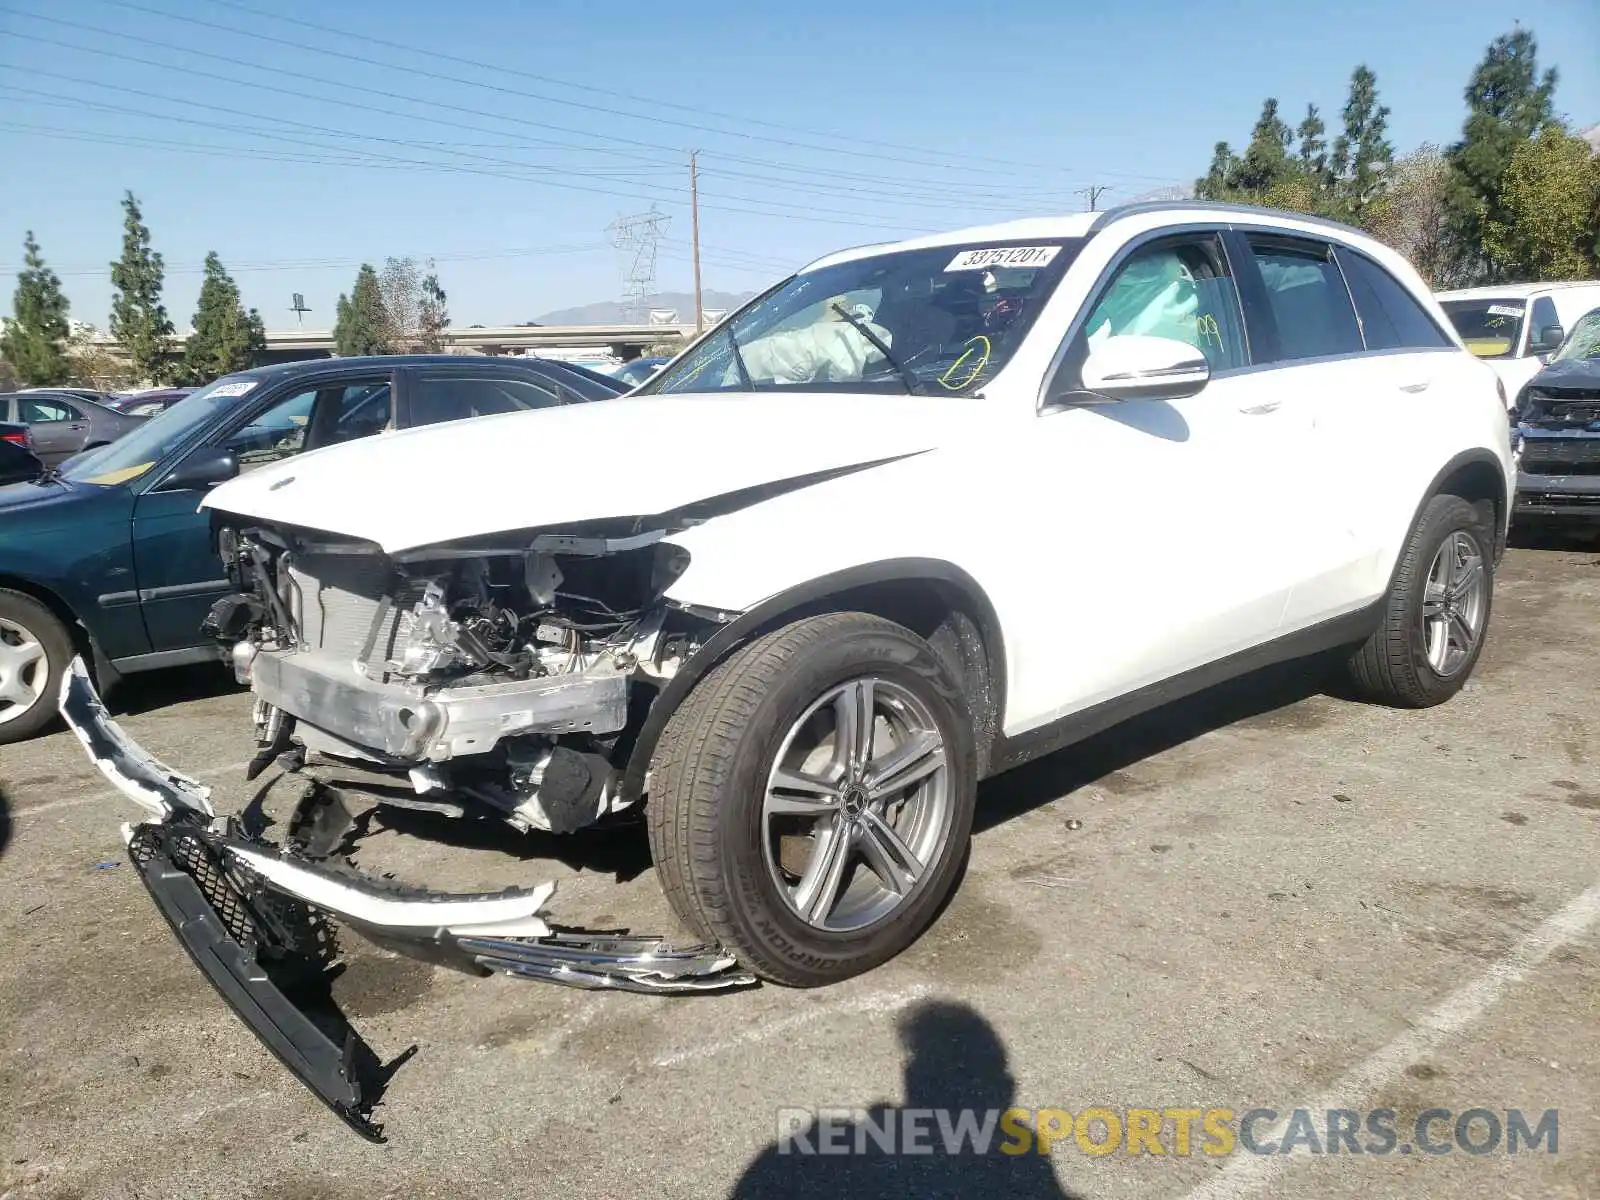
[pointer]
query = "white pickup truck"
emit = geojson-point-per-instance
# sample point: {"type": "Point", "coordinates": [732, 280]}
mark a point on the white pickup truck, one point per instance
{"type": "Point", "coordinates": [1515, 327]}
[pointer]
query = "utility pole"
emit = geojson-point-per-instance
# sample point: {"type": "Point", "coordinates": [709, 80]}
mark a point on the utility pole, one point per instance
{"type": "Point", "coordinates": [1092, 193]}
{"type": "Point", "coordinates": [694, 236]}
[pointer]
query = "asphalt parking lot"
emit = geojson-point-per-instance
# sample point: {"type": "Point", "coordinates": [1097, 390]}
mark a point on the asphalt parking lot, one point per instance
{"type": "Point", "coordinates": [1266, 897]}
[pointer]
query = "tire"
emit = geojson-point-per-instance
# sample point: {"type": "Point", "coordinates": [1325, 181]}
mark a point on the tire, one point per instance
{"type": "Point", "coordinates": [45, 647]}
{"type": "Point", "coordinates": [733, 871]}
{"type": "Point", "coordinates": [1394, 666]}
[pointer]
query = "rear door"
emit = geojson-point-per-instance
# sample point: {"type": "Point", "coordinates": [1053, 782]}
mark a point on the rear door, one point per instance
{"type": "Point", "coordinates": [179, 574]}
{"type": "Point", "coordinates": [1306, 332]}
{"type": "Point", "coordinates": [59, 429]}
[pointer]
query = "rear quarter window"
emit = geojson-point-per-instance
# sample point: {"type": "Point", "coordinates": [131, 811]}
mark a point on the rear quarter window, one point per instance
{"type": "Point", "coordinates": [1391, 317]}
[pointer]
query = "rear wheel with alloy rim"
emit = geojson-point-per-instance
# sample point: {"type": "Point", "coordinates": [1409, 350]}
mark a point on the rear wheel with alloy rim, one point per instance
{"type": "Point", "coordinates": [812, 799]}
{"type": "Point", "coordinates": [34, 650]}
{"type": "Point", "coordinates": [1437, 610]}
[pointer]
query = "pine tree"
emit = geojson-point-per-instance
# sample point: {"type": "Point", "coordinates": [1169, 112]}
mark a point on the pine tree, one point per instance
{"type": "Point", "coordinates": [138, 318]}
{"type": "Point", "coordinates": [226, 338]}
{"type": "Point", "coordinates": [35, 340]}
{"type": "Point", "coordinates": [1313, 148]}
{"type": "Point", "coordinates": [362, 321]}
{"type": "Point", "coordinates": [1362, 153]}
{"type": "Point", "coordinates": [1507, 100]}
{"type": "Point", "coordinates": [433, 318]}
{"type": "Point", "coordinates": [1265, 161]}
{"type": "Point", "coordinates": [1214, 185]}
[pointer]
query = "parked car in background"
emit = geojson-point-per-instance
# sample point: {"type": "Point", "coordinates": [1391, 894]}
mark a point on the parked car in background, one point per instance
{"type": "Point", "coordinates": [1515, 327]}
{"type": "Point", "coordinates": [639, 370]}
{"type": "Point", "coordinates": [1558, 431]}
{"type": "Point", "coordinates": [17, 459]}
{"type": "Point", "coordinates": [110, 557]}
{"type": "Point", "coordinates": [920, 514]}
{"type": "Point", "coordinates": [63, 423]}
{"type": "Point", "coordinates": [148, 404]}
{"type": "Point", "coordinates": [81, 393]}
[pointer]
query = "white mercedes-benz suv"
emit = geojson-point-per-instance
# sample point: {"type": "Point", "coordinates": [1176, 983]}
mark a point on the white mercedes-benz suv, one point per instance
{"type": "Point", "coordinates": [919, 513]}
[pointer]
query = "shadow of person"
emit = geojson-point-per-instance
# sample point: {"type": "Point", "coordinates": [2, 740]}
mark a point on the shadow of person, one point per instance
{"type": "Point", "coordinates": [956, 1082]}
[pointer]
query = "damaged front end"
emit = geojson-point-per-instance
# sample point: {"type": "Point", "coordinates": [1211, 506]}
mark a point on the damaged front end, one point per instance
{"type": "Point", "coordinates": [511, 672]}
{"type": "Point", "coordinates": [258, 920]}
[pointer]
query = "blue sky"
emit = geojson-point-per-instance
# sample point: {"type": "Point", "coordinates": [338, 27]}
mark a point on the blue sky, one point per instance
{"type": "Point", "coordinates": [502, 138]}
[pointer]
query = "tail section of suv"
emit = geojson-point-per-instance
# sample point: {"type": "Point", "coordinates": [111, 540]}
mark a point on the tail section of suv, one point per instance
{"type": "Point", "coordinates": [918, 514]}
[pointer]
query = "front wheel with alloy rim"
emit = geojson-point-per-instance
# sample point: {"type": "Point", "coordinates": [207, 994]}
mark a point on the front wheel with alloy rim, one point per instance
{"type": "Point", "coordinates": [811, 801]}
{"type": "Point", "coordinates": [34, 650]}
{"type": "Point", "coordinates": [1437, 610]}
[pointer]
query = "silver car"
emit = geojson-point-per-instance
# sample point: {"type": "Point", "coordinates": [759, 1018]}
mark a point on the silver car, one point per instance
{"type": "Point", "coordinates": [63, 423]}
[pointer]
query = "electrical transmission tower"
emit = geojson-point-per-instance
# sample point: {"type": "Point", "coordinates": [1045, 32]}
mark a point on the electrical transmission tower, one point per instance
{"type": "Point", "coordinates": [639, 235]}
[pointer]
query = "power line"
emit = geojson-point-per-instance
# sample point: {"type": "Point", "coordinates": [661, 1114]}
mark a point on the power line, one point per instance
{"type": "Point", "coordinates": [852, 139]}
{"type": "Point", "coordinates": [945, 195]}
{"type": "Point", "coordinates": [811, 215]}
{"type": "Point", "coordinates": [74, 270]}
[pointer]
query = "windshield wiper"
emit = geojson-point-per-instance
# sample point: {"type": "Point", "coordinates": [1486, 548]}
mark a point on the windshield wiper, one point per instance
{"type": "Point", "coordinates": [861, 327]}
{"type": "Point", "coordinates": [738, 360]}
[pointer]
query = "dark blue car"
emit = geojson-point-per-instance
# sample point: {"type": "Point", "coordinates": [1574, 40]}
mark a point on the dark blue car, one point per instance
{"type": "Point", "coordinates": [108, 555]}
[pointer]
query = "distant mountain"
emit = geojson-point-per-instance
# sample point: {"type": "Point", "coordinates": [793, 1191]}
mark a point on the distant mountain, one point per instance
{"type": "Point", "coordinates": [615, 312]}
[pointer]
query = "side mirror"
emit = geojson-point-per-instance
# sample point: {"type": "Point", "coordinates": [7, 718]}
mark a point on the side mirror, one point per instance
{"type": "Point", "coordinates": [1139, 367]}
{"type": "Point", "coordinates": [205, 468]}
{"type": "Point", "coordinates": [1548, 340]}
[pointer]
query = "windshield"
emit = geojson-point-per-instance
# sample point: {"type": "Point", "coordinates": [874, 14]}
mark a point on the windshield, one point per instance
{"type": "Point", "coordinates": [937, 321]}
{"type": "Point", "coordinates": [1490, 328]}
{"type": "Point", "coordinates": [1583, 341]}
{"type": "Point", "coordinates": [144, 446]}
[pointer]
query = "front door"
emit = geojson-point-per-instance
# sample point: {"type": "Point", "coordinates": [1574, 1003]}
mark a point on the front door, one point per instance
{"type": "Point", "coordinates": [179, 573]}
{"type": "Point", "coordinates": [1167, 519]}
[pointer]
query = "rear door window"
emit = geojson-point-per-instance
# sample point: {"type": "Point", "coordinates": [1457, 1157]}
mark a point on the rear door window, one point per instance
{"type": "Point", "coordinates": [1391, 318]}
{"type": "Point", "coordinates": [449, 396]}
{"type": "Point", "coordinates": [1307, 297]}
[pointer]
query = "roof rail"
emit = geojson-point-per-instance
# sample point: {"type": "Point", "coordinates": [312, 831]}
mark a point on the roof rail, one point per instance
{"type": "Point", "coordinates": [1217, 206]}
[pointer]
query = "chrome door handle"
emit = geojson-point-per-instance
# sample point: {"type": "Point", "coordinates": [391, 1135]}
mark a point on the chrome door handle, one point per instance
{"type": "Point", "coordinates": [1420, 385]}
{"type": "Point", "coordinates": [1257, 410]}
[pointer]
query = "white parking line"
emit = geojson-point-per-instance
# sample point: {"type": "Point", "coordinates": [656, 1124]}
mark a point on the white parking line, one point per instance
{"type": "Point", "coordinates": [1466, 1004]}
{"type": "Point", "coordinates": [100, 794]}
{"type": "Point", "coordinates": [871, 1002]}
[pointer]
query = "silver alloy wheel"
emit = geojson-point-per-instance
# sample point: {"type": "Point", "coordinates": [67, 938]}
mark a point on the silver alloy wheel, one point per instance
{"type": "Point", "coordinates": [1453, 603]}
{"type": "Point", "coordinates": [24, 670]}
{"type": "Point", "coordinates": [858, 805]}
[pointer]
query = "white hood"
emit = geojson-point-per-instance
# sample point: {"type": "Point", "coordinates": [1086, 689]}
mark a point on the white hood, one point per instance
{"type": "Point", "coordinates": [558, 466]}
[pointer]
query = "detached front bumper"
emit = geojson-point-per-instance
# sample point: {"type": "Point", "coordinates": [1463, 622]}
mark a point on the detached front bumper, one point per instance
{"type": "Point", "coordinates": [257, 920]}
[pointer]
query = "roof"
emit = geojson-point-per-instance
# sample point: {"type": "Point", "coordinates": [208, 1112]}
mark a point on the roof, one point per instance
{"type": "Point", "coordinates": [313, 366]}
{"type": "Point", "coordinates": [1514, 291]}
{"type": "Point", "coordinates": [1084, 224]}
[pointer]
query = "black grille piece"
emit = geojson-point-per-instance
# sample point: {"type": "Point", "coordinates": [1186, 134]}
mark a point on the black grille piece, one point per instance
{"type": "Point", "coordinates": [196, 860]}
